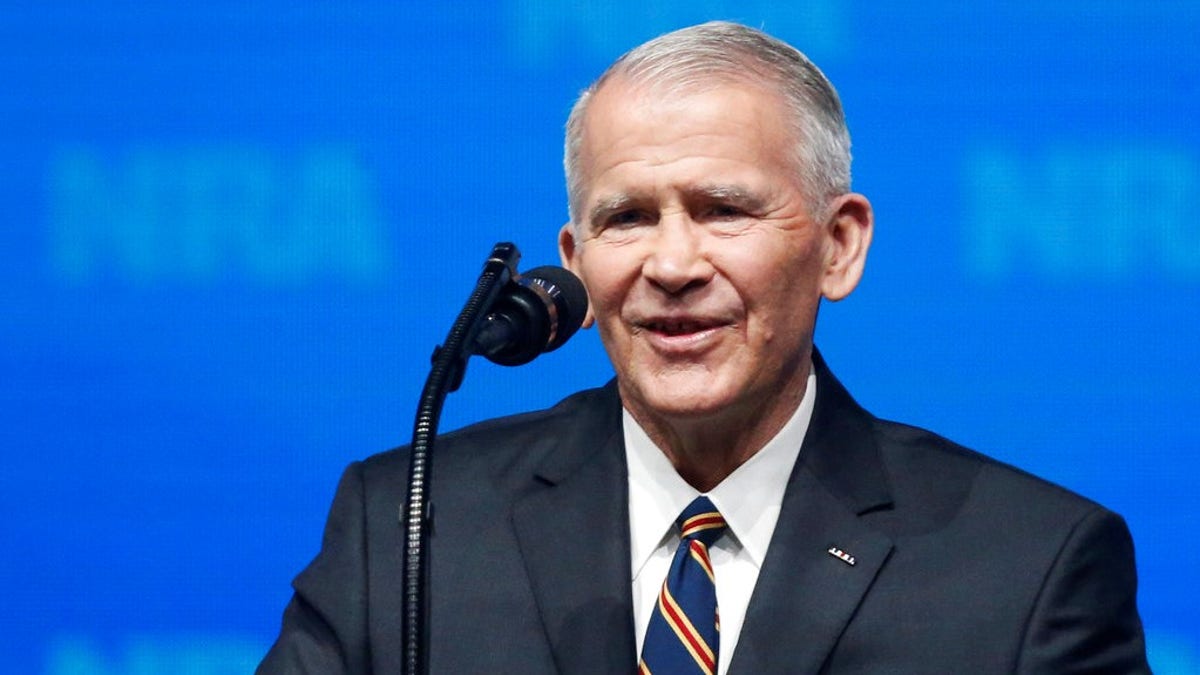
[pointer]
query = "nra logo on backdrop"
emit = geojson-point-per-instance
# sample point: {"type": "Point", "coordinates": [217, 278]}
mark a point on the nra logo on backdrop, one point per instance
{"type": "Point", "coordinates": [196, 215]}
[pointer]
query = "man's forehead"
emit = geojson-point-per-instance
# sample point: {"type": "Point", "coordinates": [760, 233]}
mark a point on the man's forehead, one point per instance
{"type": "Point", "coordinates": [620, 101]}
{"type": "Point", "coordinates": [620, 89]}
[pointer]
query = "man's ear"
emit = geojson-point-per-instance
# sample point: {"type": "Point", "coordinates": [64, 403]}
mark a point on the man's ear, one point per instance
{"type": "Point", "coordinates": [568, 252]}
{"type": "Point", "coordinates": [848, 236]}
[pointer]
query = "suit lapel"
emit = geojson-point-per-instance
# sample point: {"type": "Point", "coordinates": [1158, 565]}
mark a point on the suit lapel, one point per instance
{"type": "Point", "coordinates": [806, 595]}
{"type": "Point", "coordinates": [573, 532]}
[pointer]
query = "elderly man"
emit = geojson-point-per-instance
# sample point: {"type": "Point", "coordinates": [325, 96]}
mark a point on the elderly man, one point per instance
{"type": "Point", "coordinates": [724, 505]}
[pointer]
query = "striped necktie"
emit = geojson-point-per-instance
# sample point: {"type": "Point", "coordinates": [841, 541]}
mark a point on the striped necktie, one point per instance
{"type": "Point", "coordinates": [685, 628]}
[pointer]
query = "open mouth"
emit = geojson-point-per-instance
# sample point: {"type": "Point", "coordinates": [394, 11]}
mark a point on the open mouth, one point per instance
{"type": "Point", "coordinates": [675, 327]}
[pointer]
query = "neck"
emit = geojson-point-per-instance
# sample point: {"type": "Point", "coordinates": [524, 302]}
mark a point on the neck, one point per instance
{"type": "Point", "coordinates": [704, 450]}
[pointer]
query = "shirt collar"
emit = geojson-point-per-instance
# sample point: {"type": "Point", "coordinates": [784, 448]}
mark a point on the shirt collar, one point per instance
{"type": "Point", "coordinates": [749, 498]}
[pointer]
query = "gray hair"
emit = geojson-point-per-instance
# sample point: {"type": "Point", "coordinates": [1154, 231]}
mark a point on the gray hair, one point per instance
{"type": "Point", "coordinates": [690, 59]}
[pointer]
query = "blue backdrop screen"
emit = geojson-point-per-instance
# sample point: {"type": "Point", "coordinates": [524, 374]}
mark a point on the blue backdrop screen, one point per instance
{"type": "Point", "coordinates": [237, 230]}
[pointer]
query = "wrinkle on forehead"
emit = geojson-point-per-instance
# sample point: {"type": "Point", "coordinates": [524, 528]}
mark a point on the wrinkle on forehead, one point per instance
{"type": "Point", "coordinates": [651, 102]}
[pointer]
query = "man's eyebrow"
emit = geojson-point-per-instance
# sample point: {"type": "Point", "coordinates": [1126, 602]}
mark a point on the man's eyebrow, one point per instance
{"type": "Point", "coordinates": [610, 204]}
{"type": "Point", "coordinates": [731, 194]}
{"type": "Point", "coordinates": [737, 195]}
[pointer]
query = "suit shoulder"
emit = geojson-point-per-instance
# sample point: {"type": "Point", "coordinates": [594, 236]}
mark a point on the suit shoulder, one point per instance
{"type": "Point", "coordinates": [528, 434]}
{"type": "Point", "coordinates": [924, 467]}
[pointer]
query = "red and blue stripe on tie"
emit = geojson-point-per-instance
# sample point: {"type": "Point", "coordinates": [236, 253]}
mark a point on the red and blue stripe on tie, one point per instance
{"type": "Point", "coordinates": [684, 631]}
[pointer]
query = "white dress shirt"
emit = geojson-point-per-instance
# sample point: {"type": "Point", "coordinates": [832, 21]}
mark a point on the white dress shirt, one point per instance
{"type": "Point", "coordinates": [749, 499]}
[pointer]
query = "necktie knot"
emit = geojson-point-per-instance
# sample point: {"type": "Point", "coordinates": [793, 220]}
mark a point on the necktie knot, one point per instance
{"type": "Point", "coordinates": [701, 521]}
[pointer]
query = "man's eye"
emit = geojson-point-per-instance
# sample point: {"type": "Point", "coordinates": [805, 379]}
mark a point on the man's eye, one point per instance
{"type": "Point", "coordinates": [725, 211]}
{"type": "Point", "coordinates": [625, 218]}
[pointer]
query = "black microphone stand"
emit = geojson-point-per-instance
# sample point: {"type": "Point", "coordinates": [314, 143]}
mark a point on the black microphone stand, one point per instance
{"type": "Point", "coordinates": [445, 376]}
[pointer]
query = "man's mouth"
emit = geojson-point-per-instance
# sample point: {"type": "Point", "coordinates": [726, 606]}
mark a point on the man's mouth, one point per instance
{"type": "Point", "coordinates": [681, 337]}
{"type": "Point", "coordinates": [677, 327]}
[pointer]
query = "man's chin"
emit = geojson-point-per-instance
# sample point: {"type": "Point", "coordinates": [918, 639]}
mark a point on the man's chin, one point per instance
{"type": "Point", "coordinates": [693, 397]}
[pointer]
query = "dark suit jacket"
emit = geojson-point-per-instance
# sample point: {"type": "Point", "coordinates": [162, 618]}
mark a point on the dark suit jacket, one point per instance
{"type": "Point", "coordinates": [961, 564]}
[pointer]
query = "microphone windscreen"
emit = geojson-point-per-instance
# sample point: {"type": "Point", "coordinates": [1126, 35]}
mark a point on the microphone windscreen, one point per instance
{"type": "Point", "coordinates": [570, 299]}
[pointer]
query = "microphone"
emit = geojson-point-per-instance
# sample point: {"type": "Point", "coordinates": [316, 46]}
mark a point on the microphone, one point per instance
{"type": "Point", "coordinates": [535, 313]}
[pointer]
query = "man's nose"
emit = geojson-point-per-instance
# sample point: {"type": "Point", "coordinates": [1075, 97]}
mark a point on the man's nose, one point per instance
{"type": "Point", "coordinates": [678, 258]}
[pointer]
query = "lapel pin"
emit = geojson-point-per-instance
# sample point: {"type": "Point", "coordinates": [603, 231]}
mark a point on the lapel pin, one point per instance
{"type": "Point", "coordinates": [841, 555]}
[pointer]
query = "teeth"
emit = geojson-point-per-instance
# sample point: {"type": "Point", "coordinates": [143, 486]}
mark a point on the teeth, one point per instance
{"type": "Point", "coordinates": [676, 327]}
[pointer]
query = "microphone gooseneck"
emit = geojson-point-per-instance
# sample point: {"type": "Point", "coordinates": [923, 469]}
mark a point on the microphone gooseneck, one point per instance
{"type": "Point", "coordinates": [511, 319]}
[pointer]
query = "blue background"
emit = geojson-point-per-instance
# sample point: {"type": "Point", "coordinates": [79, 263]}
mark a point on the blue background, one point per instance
{"type": "Point", "coordinates": [233, 232]}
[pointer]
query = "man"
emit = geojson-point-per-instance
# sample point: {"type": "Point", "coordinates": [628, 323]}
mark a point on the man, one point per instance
{"type": "Point", "coordinates": [708, 173]}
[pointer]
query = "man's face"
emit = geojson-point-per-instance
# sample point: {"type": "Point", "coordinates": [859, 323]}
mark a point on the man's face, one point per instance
{"type": "Point", "coordinates": [702, 263]}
